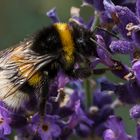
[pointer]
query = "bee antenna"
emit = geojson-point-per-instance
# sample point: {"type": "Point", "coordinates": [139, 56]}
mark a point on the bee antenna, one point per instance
{"type": "Point", "coordinates": [111, 33]}
{"type": "Point", "coordinates": [93, 40]}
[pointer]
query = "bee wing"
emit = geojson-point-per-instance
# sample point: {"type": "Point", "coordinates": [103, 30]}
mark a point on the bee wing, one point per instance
{"type": "Point", "coordinates": [17, 67]}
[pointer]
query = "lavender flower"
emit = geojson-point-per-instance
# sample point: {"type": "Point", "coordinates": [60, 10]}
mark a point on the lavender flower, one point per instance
{"type": "Point", "coordinates": [122, 46]}
{"type": "Point", "coordinates": [75, 17]}
{"type": "Point", "coordinates": [97, 4]}
{"type": "Point", "coordinates": [103, 53]}
{"type": "Point", "coordinates": [100, 111]}
{"type": "Point", "coordinates": [127, 92]}
{"type": "Point", "coordinates": [138, 8]}
{"type": "Point", "coordinates": [53, 15]}
{"type": "Point", "coordinates": [135, 33]}
{"type": "Point", "coordinates": [135, 112]}
{"type": "Point", "coordinates": [25, 133]}
{"type": "Point", "coordinates": [122, 16]}
{"type": "Point", "coordinates": [109, 135]}
{"type": "Point", "coordinates": [115, 129]}
{"type": "Point", "coordinates": [5, 120]}
{"type": "Point", "coordinates": [78, 116]}
{"type": "Point", "coordinates": [100, 99]}
{"type": "Point", "coordinates": [138, 131]}
{"type": "Point", "coordinates": [46, 128]}
{"type": "Point", "coordinates": [136, 71]}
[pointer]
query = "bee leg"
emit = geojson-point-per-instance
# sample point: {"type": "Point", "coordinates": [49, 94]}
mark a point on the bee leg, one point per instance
{"type": "Point", "coordinates": [44, 92]}
{"type": "Point", "coordinates": [86, 72]}
{"type": "Point", "coordinates": [81, 73]}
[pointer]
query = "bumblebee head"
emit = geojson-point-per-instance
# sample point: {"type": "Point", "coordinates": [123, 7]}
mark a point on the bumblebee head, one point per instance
{"type": "Point", "coordinates": [83, 40]}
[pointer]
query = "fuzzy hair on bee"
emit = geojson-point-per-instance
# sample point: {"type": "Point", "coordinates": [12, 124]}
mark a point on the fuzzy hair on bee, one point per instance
{"type": "Point", "coordinates": [23, 68]}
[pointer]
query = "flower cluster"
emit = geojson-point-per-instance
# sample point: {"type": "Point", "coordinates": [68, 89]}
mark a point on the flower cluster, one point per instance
{"type": "Point", "coordinates": [86, 107]}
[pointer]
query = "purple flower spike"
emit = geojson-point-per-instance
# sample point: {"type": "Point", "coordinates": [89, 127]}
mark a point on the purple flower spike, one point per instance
{"type": "Point", "coordinates": [101, 99]}
{"type": "Point", "coordinates": [138, 131]}
{"type": "Point", "coordinates": [53, 15]}
{"type": "Point", "coordinates": [128, 93]}
{"type": "Point", "coordinates": [81, 22]}
{"type": "Point", "coordinates": [106, 84]}
{"type": "Point", "coordinates": [78, 116]}
{"type": "Point", "coordinates": [5, 120]}
{"type": "Point", "coordinates": [103, 54]}
{"type": "Point", "coordinates": [121, 46]}
{"type": "Point", "coordinates": [94, 63]}
{"type": "Point", "coordinates": [62, 79]}
{"type": "Point", "coordinates": [118, 2]}
{"type": "Point", "coordinates": [115, 129]}
{"type": "Point", "coordinates": [120, 70]}
{"type": "Point", "coordinates": [3, 138]}
{"type": "Point", "coordinates": [105, 20]}
{"type": "Point", "coordinates": [25, 133]}
{"type": "Point", "coordinates": [83, 130]}
{"type": "Point", "coordinates": [135, 112]}
{"type": "Point", "coordinates": [135, 33]}
{"type": "Point", "coordinates": [100, 41]}
{"type": "Point", "coordinates": [89, 24]}
{"type": "Point", "coordinates": [109, 135]}
{"type": "Point", "coordinates": [122, 16]}
{"type": "Point", "coordinates": [75, 16]}
{"type": "Point", "coordinates": [98, 4]}
{"type": "Point", "coordinates": [138, 8]}
{"type": "Point", "coordinates": [47, 128]}
{"type": "Point", "coordinates": [136, 70]}
{"type": "Point", "coordinates": [109, 7]}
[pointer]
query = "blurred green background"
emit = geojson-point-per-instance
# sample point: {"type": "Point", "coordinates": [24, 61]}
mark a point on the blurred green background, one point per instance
{"type": "Point", "coordinates": [20, 18]}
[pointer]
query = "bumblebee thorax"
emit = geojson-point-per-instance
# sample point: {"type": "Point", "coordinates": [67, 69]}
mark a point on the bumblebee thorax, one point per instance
{"type": "Point", "coordinates": [65, 34]}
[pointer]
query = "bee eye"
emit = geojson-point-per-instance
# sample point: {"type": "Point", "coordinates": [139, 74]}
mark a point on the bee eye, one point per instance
{"type": "Point", "coordinates": [80, 40]}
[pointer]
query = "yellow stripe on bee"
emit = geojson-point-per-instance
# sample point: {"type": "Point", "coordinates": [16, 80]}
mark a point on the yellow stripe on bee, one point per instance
{"type": "Point", "coordinates": [67, 41]}
{"type": "Point", "coordinates": [35, 79]}
{"type": "Point", "coordinates": [26, 71]}
{"type": "Point", "coordinates": [26, 68]}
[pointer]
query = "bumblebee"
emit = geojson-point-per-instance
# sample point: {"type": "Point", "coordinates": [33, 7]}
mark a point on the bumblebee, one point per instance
{"type": "Point", "coordinates": [27, 69]}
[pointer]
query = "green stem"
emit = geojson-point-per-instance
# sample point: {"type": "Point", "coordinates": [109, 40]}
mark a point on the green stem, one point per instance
{"type": "Point", "coordinates": [88, 92]}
